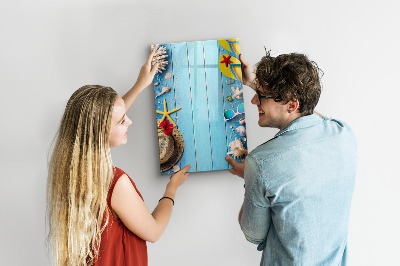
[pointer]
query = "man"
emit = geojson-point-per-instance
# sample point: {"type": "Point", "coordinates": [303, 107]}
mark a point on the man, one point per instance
{"type": "Point", "coordinates": [299, 184]}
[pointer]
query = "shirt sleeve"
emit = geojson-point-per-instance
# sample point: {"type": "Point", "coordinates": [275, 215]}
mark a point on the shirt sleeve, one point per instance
{"type": "Point", "coordinates": [256, 217]}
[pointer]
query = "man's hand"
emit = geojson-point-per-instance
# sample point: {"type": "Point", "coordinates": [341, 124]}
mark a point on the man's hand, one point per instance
{"type": "Point", "coordinates": [238, 168]}
{"type": "Point", "coordinates": [248, 75]}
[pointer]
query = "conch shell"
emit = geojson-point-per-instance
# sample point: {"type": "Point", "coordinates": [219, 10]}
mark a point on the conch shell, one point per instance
{"type": "Point", "coordinates": [237, 149]}
{"type": "Point", "coordinates": [163, 90]}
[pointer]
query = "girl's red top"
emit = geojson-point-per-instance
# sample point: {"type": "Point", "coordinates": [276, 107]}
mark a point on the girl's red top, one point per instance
{"type": "Point", "coordinates": [119, 246]}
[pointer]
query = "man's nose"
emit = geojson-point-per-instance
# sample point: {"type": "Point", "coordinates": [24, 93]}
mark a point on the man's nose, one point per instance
{"type": "Point", "coordinates": [254, 100]}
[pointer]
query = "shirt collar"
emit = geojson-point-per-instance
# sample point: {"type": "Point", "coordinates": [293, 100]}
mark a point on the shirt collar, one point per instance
{"type": "Point", "coordinates": [301, 122]}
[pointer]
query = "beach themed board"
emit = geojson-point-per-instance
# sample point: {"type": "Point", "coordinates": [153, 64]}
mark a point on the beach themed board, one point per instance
{"type": "Point", "coordinates": [198, 93]}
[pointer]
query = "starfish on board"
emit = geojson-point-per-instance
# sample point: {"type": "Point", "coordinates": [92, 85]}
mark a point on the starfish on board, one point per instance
{"type": "Point", "coordinates": [236, 93]}
{"type": "Point", "coordinates": [166, 113]}
{"type": "Point", "coordinates": [226, 60]}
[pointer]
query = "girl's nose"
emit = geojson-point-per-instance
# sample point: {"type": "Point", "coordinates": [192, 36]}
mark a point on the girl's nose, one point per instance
{"type": "Point", "coordinates": [129, 122]}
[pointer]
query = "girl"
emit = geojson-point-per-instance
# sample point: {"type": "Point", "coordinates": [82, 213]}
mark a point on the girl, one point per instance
{"type": "Point", "coordinates": [96, 214]}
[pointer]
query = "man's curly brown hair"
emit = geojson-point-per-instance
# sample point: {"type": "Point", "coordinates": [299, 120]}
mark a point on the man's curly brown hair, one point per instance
{"type": "Point", "coordinates": [290, 77]}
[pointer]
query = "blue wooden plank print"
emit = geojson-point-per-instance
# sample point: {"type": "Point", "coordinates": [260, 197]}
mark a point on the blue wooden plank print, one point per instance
{"type": "Point", "coordinates": [200, 108]}
{"type": "Point", "coordinates": [203, 87]}
{"type": "Point", "coordinates": [215, 106]}
{"type": "Point", "coordinates": [230, 85]}
{"type": "Point", "coordinates": [183, 96]}
{"type": "Point", "coordinates": [226, 103]}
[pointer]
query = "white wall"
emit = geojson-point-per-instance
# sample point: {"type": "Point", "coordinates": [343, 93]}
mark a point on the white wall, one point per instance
{"type": "Point", "coordinates": [49, 49]}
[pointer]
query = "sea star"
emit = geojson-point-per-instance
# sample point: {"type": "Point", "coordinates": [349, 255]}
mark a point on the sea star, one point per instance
{"type": "Point", "coordinates": [226, 60]}
{"type": "Point", "coordinates": [236, 93]}
{"type": "Point", "coordinates": [166, 113]}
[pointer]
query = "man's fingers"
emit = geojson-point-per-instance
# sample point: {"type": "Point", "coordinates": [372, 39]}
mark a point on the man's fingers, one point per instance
{"type": "Point", "coordinates": [242, 60]}
{"type": "Point", "coordinates": [231, 161]}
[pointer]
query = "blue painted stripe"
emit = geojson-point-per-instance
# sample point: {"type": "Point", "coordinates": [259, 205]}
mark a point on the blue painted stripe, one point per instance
{"type": "Point", "coordinates": [233, 72]}
{"type": "Point", "coordinates": [230, 44]}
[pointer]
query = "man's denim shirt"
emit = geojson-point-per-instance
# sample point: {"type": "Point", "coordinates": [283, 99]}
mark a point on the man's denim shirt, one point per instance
{"type": "Point", "coordinates": [298, 190]}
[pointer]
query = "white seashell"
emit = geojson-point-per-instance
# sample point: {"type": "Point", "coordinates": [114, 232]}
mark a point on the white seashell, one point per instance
{"type": "Point", "coordinates": [242, 121]}
{"type": "Point", "coordinates": [163, 90]}
{"type": "Point", "coordinates": [168, 75]}
{"type": "Point", "coordinates": [237, 149]}
{"type": "Point", "coordinates": [237, 153]}
{"type": "Point", "coordinates": [241, 130]}
{"type": "Point", "coordinates": [176, 168]}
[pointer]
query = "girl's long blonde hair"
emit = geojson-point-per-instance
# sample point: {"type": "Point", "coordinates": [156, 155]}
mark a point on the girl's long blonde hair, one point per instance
{"type": "Point", "coordinates": [80, 174]}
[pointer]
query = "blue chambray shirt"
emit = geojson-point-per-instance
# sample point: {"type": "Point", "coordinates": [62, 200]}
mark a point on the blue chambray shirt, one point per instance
{"type": "Point", "coordinates": [298, 191]}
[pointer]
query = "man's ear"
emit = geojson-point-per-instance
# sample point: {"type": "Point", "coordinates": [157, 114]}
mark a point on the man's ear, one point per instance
{"type": "Point", "coordinates": [293, 105]}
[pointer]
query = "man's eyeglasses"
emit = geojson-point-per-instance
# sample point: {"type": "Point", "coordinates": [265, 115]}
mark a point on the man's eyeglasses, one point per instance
{"type": "Point", "coordinates": [276, 99]}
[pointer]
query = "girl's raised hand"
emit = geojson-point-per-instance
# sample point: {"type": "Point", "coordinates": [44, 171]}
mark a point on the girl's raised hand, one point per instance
{"type": "Point", "coordinates": [147, 72]}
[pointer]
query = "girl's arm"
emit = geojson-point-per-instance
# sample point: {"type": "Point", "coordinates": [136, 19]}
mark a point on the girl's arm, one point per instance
{"type": "Point", "coordinates": [145, 78]}
{"type": "Point", "coordinates": [131, 209]}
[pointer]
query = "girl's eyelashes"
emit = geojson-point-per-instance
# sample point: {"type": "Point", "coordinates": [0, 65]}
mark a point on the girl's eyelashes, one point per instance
{"type": "Point", "coordinates": [123, 120]}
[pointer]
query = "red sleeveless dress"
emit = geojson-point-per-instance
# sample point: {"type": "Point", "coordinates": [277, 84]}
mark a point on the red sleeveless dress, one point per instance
{"type": "Point", "coordinates": [119, 246]}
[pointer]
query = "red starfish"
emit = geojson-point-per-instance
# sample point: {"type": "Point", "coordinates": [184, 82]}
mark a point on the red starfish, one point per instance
{"type": "Point", "coordinates": [226, 60]}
